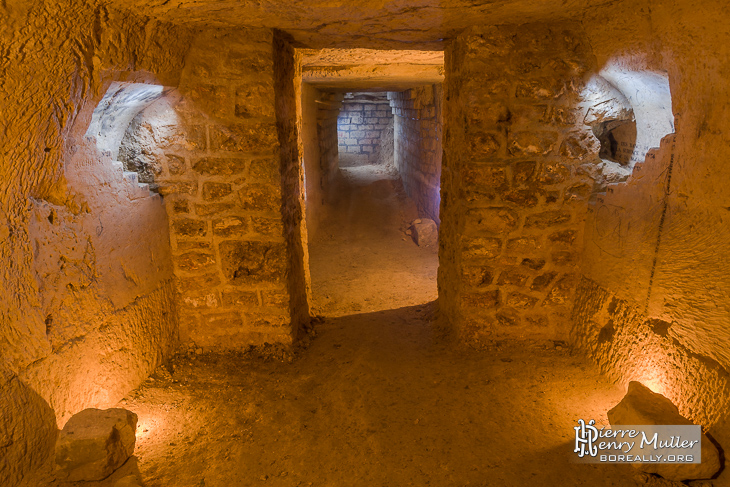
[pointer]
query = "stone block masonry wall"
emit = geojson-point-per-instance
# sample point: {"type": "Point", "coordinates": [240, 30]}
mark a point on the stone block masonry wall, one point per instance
{"type": "Point", "coordinates": [515, 195]}
{"type": "Point", "coordinates": [327, 116]}
{"type": "Point", "coordinates": [220, 176]}
{"type": "Point", "coordinates": [288, 88]}
{"type": "Point", "coordinates": [363, 119]}
{"type": "Point", "coordinates": [418, 150]}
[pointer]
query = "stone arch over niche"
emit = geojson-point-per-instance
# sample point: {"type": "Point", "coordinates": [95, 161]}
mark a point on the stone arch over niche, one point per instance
{"type": "Point", "coordinates": [103, 266]}
{"type": "Point", "coordinates": [116, 110]}
{"type": "Point", "coordinates": [629, 111]}
{"type": "Point", "coordinates": [624, 225]}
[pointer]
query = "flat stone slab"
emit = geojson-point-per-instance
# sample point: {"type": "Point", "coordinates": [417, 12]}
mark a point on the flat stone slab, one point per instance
{"type": "Point", "coordinates": [94, 443]}
{"type": "Point", "coordinates": [641, 406]}
{"type": "Point", "coordinates": [425, 233]}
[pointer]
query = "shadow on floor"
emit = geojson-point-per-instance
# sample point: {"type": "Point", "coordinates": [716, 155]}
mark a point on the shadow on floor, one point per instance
{"type": "Point", "coordinates": [376, 400]}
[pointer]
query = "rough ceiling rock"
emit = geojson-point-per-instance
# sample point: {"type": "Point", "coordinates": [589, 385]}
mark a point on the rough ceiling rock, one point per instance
{"type": "Point", "coordinates": [393, 77]}
{"type": "Point", "coordinates": [420, 24]}
{"type": "Point", "coordinates": [374, 70]}
{"type": "Point", "coordinates": [349, 57]}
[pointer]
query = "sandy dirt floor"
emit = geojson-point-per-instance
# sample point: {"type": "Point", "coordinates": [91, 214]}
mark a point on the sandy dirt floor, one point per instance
{"type": "Point", "coordinates": [361, 260]}
{"type": "Point", "coordinates": [377, 399]}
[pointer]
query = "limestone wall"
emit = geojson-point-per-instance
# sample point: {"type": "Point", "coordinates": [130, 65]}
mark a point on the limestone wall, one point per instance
{"type": "Point", "coordinates": [418, 135]}
{"type": "Point", "coordinates": [327, 115]}
{"type": "Point", "coordinates": [288, 86]}
{"type": "Point", "coordinates": [86, 291]}
{"type": "Point", "coordinates": [97, 273]}
{"type": "Point", "coordinates": [319, 136]}
{"type": "Point", "coordinates": [361, 124]}
{"type": "Point", "coordinates": [314, 191]}
{"type": "Point", "coordinates": [513, 186]}
{"type": "Point", "coordinates": [652, 305]}
{"type": "Point", "coordinates": [216, 148]}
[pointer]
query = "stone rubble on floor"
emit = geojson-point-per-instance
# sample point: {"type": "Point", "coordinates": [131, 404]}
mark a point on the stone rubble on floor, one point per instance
{"type": "Point", "coordinates": [425, 233]}
{"type": "Point", "coordinates": [641, 406]}
{"type": "Point", "coordinates": [94, 443]}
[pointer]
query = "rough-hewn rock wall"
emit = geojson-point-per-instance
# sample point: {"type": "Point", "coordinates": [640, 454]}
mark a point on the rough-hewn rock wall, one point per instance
{"type": "Point", "coordinates": [514, 194]}
{"type": "Point", "coordinates": [629, 346]}
{"type": "Point", "coordinates": [314, 180]}
{"type": "Point", "coordinates": [288, 85]}
{"type": "Point", "coordinates": [82, 320]}
{"type": "Point", "coordinates": [86, 301]}
{"type": "Point", "coordinates": [363, 119]}
{"type": "Point", "coordinates": [373, 25]}
{"type": "Point", "coordinates": [28, 431]}
{"type": "Point", "coordinates": [418, 133]}
{"type": "Point", "coordinates": [652, 305]}
{"type": "Point", "coordinates": [327, 115]}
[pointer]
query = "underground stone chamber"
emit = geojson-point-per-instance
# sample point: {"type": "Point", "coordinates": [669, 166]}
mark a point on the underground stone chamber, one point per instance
{"type": "Point", "coordinates": [372, 165]}
{"type": "Point", "coordinates": [213, 219]}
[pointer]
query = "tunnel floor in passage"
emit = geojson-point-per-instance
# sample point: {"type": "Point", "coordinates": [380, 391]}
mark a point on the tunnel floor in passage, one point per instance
{"type": "Point", "coordinates": [376, 400]}
{"type": "Point", "coordinates": [361, 259]}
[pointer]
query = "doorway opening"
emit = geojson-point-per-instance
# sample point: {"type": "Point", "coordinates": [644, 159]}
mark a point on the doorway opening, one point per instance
{"type": "Point", "coordinates": [372, 161]}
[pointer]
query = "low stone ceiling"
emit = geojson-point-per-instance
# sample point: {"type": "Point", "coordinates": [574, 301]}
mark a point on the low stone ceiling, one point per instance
{"type": "Point", "coordinates": [374, 70]}
{"type": "Point", "coordinates": [351, 57]}
{"type": "Point", "coordinates": [381, 24]}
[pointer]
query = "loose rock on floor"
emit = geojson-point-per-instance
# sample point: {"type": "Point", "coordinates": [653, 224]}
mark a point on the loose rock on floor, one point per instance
{"type": "Point", "coordinates": [94, 443]}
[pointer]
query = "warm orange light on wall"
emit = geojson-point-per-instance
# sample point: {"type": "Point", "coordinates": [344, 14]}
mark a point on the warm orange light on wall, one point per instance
{"type": "Point", "coordinates": [651, 375]}
{"type": "Point", "coordinates": [654, 384]}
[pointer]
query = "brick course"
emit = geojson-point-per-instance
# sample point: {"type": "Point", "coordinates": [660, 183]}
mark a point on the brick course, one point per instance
{"type": "Point", "coordinates": [418, 136]}
{"type": "Point", "coordinates": [363, 119]}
